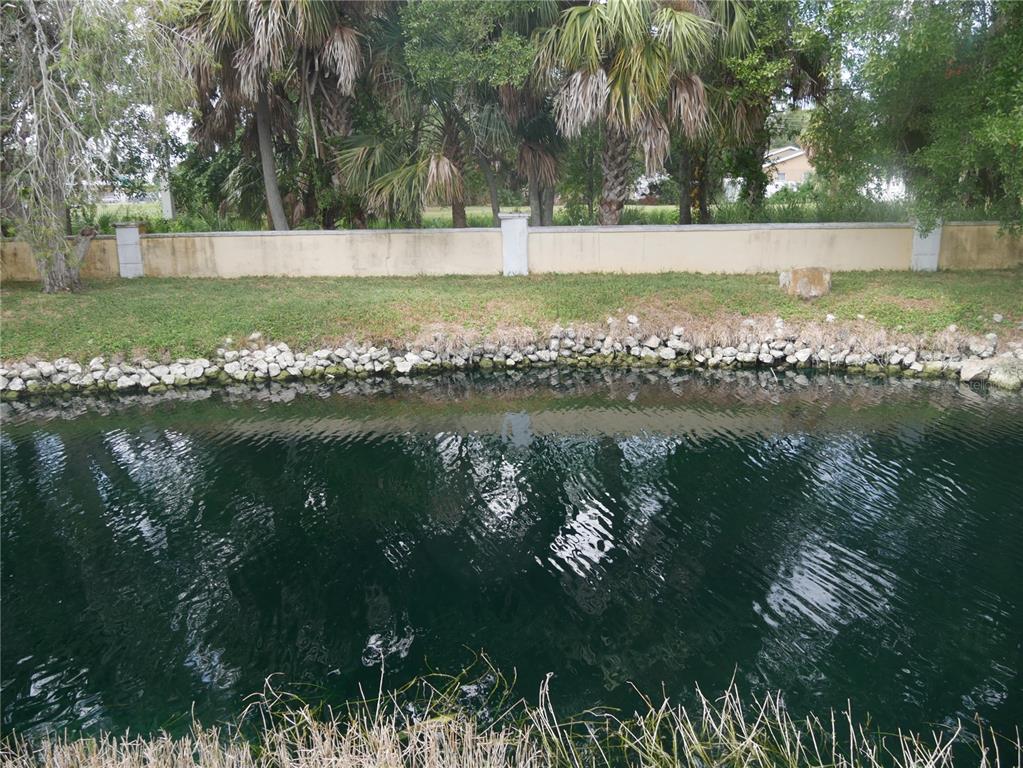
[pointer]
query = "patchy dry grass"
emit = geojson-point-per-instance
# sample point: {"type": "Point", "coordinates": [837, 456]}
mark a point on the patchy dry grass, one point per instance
{"type": "Point", "coordinates": [729, 731]}
{"type": "Point", "coordinates": [192, 316]}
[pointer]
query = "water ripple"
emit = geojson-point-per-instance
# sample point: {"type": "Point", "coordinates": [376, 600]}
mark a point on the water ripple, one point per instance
{"type": "Point", "coordinates": [833, 540]}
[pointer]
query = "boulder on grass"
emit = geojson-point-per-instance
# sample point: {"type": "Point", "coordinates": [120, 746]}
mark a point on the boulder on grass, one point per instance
{"type": "Point", "coordinates": [806, 282]}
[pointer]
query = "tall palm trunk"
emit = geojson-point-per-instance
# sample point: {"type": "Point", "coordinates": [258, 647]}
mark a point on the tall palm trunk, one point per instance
{"type": "Point", "coordinates": [547, 206]}
{"type": "Point", "coordinates": [703, 189]}
{"type": "Point", "coordinates": [458, 219]}
{"type": "Point", "coordinates": [266, 155]}
{"type": "Point", "coordinates": [685, 187]}
{"type": "Point", "coordinates": [335, 114]}
{"type": "Point", "coordinates": [535, 200]}
{"type": "Point", "coordinates": [453, 152]}
{"type": "Point", "coordinates": [495, 197]}
{"type": "Point", "coordinates": [615, 167]}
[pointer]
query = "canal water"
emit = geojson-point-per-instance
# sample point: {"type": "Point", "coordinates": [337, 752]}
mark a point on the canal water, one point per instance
{"type": "Point", "coordinates": [837, 540]}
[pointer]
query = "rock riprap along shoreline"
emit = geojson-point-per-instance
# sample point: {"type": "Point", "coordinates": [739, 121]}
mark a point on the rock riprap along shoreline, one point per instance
{"type": "Point", "coordinates": [780, 348]}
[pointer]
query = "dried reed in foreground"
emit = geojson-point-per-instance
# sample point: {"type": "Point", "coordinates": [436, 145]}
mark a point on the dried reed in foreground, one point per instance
{"type": "Point", "coordinates": [725, 732]}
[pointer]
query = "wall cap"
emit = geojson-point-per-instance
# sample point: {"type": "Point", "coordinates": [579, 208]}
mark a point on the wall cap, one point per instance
{"type": "Point", "coordinates": [534, 230]}
{"type": "Point", "coordinates": [325, 232]}
{"type": "Point", "coordinates": [727, 227]}
{"type": "Point", "coordinates": [66, 237]}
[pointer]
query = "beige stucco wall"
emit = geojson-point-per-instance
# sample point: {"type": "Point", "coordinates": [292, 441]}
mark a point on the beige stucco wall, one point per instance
{"type": "Point", "coordinates": [716, 248]}
{"type": "Point", "coordinates": [719, 248]}
{"type": "Point", "coordinates": [978, 246]}
{"type": "Point", "coordinates": [320, 254]}
{"type": "Point", "coordinates": [16, 262]}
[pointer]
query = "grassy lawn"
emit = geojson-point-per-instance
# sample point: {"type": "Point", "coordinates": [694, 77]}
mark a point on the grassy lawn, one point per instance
{"type": "Point", "coordinates": [192, 316]}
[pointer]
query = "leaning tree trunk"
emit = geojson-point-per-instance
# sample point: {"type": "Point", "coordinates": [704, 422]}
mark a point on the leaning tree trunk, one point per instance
{"type": "Point", "coordinates": [60, 271]}
{"type": "Point", "coordinates": [266, 155]}
{"type": "Point", "coordinates": [56, 271]}
{"type": "Point", "coordinates": [615, 167]}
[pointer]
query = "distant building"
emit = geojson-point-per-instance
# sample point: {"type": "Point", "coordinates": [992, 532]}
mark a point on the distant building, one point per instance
{"type": "Point", "coordinates": [786, 167]}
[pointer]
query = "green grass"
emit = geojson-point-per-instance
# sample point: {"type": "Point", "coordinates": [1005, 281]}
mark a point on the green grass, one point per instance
{"type": "Point", "coordinates": [129, 211]}
{"type": "Point", "coordinates": [192, 316]}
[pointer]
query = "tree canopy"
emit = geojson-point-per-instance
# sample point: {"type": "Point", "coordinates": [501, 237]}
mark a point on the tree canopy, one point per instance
{"type": "Point", "coordinates": [931, 93]}
{"type": "Point", "coordinates": [314, 113]}
{"type": "Point", "coordinates": [78, 82]}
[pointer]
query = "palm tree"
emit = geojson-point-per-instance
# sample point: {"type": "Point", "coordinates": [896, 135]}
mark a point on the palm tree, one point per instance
{"type": "Point", "coordinates": [407, 150]}
{"type": "Point", "coordinates": [248, 54]}
{"type": "Point", "coordinates": [527, 112]}
{"type": "Point", "coordinates": [405, 163]}
{"type": "Point", "coordinates": [632, 66]}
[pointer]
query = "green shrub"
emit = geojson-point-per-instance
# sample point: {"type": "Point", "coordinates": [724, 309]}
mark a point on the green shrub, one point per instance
{"type": "Point", "coordinates": [649, 215]}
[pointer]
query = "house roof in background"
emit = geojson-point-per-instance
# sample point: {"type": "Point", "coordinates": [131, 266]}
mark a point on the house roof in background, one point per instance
{"type": "Point", "coordinates": [781, 154]}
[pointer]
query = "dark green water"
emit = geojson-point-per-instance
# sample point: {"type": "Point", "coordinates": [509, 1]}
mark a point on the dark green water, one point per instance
{"type": "Point", "coordinates": [836, 541]}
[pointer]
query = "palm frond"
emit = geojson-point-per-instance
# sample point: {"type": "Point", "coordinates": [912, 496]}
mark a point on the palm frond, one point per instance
{"type": "Point", "coordinates": [628, 21]}
{"type": "Point", "coordinates": [363, 158]}
{"type": "Point", "coordinates": [730, 16]}
{"type": "Point", "coordinates": [582, 39]}
{"type": "Point", "coordinates": [402, 190]}
{"type": "Point", "coordinates": [655, 140]}
{"type": "Point", "coordinates": [638, 80]}
{"type": "Point", "coordinates": [536, 162]}
{"type": "Point", "coordinates": [488, 127]}
{"type": "Point", "coordinates": [224, 22]}
{"type": "Point", "coordinates": [342, 54]}
{"type": "Point", "coordinates": [686, 35]}
{"type": "Point", "coordinates": [443, 180]}
{"type": "Point", "coordinates": [687, 104]}
{"type": "Point", "coordinates": [265, 47]}
{"type": "Point", "coordinates": [312, 20]}
{"type": "Point", "coordinates": [580, 101]}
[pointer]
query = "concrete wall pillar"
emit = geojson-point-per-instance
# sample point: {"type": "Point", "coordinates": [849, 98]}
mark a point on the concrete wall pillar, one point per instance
{"type": "Point", "coordinates": [926, 248]}
{"type": "Point", "coordinates": [166, 200]}
{"type": "Point", "coordinates": [515, 243]}
{"type": "Point", "coordinates": [129, 250]}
